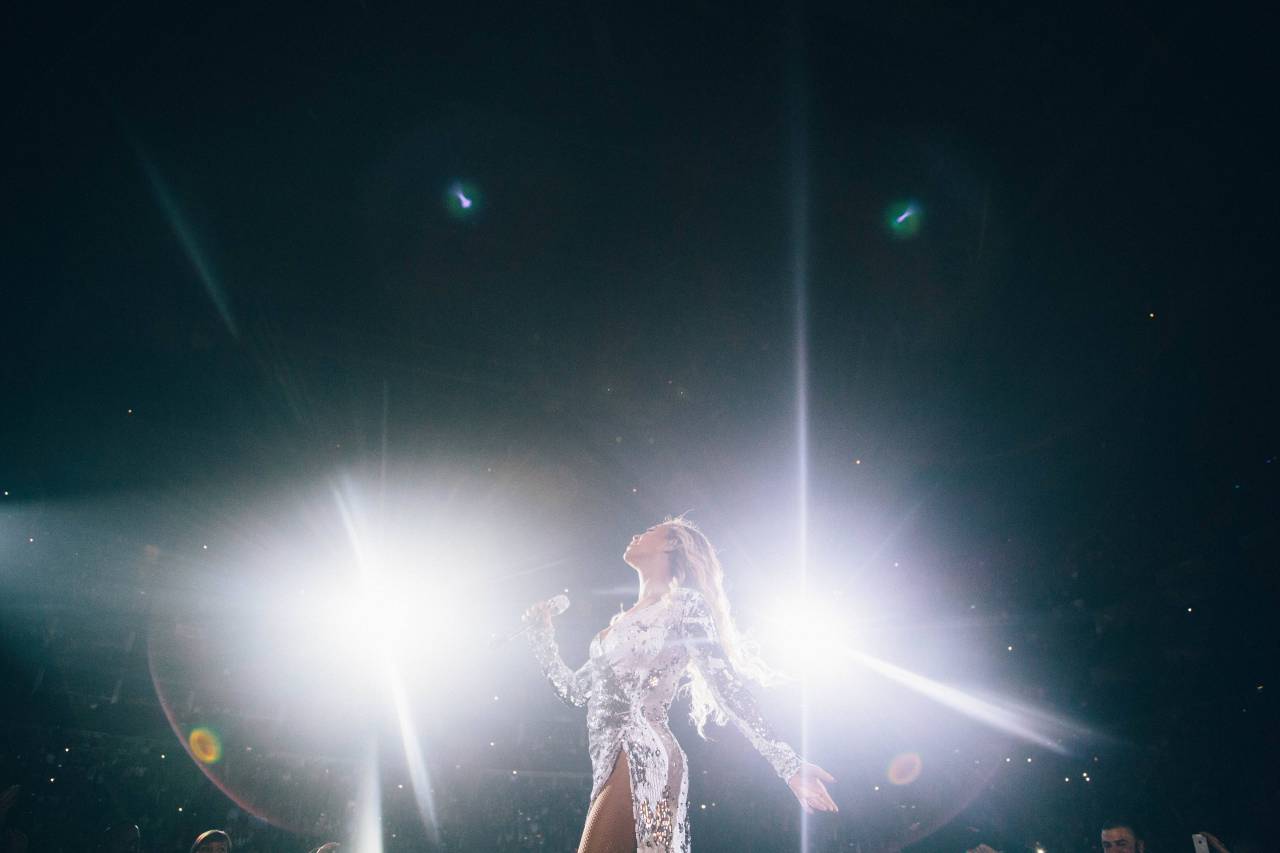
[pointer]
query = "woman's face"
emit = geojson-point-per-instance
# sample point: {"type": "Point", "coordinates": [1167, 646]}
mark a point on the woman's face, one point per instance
{"type": "Point", "coordinates": [646, 546]}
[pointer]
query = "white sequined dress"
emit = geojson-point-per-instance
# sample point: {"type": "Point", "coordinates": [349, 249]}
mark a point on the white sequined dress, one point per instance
{"type": "Point", "coordinates": [627, 685]}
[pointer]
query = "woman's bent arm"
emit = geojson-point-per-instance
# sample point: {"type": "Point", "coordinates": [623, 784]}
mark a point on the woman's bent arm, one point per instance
{"type": "Point", "coordinates": [573, 688]}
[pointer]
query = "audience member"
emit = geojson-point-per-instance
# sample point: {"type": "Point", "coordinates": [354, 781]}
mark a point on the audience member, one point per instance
{"type": "Point", "coordinates": [1122, 836]}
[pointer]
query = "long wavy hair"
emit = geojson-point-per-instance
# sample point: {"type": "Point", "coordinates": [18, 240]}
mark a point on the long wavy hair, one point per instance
{"type": "Point", "coordinates": [695, 565]}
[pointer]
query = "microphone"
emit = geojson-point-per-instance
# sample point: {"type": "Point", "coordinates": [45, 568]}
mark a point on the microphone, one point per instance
{"type": "Point", "coordinates": [558, 604]}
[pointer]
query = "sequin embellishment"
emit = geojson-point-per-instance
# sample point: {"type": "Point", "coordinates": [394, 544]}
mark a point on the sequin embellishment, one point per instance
{"type": "Point", "coordinates": [627, 686]}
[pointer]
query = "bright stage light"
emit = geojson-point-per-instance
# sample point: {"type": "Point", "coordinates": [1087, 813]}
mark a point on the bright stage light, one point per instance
{"type": "Point", "coordinates": [817, 639]}
{"type": "Point", "coordinates": [799, 635]}
{"type": "Point", "coordinates": [335, 620]}
{"type": "Point", "coordinates": [369, 622]}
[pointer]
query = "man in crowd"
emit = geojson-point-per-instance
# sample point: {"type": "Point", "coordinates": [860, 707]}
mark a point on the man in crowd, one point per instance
{"type": "Point", "coordinates": [1121, 836]}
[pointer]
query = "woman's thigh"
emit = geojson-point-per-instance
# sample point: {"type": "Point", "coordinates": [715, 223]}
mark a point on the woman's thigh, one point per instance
{"type": "Point", "coordinates": [611, 826]}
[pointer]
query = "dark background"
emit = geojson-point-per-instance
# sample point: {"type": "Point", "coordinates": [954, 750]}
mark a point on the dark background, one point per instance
{"type": "Point", "coordinates": [1048, 419]}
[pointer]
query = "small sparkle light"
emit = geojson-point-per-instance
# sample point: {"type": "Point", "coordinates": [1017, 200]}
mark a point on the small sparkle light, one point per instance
{"type": "Point", "coordinates": [877, 787]}
{"type": "Point", "coordinates": [31, 538]}
{"type": "Point", "coordinates": [162, 756]}
{"type": "Point", "coordinates": [703, 805]}
{"type": "Point", "coordinates": [400, 786]}
{"type": "Point", "coordinates": [857, 462]}
{"type": "Point", "coordinates": [66, 749]}
{"type": "Point", "coordinates": [515, 772]}
{"type": "Point", "coordinates": [204, 547]}
{"type": "Point", "coordinates": [179, 808]}
{"type": "Point", "coordinates": [50, 778]}
{"type": "Point", "coordinates": [1152, 315]}
{"type": "Point", "coordinates": [1007, 760]}
{"type": "Point", "coordinates": [130, 411]}
{"type": "Point", "coordinates": [461, 199]}
{"type": "Point", "coordinates": [495, 698]}
{"type": "Point", "coordinates": [1066, 778]}
{"type": "Point", "coordinates": [1039, 850]}
{"type": "Point", "coordinates": [1010, 648]}
{"type": "Point", "coordinates": [1028, 759]}
{"type": "Point", "coordinates": [902, 218]}
{"type": "Point", "coordinates": [634, 490]}
{"type": "Point", "coordinates": [1188, 609]}
{"type": "Point", "coordinates": [491, 743]}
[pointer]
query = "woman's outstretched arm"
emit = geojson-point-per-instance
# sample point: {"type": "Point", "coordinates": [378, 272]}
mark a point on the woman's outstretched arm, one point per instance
{"type": "Point", "coordinates": [732, 696]}
{"type": "Point", "coordinates": [573, 688]}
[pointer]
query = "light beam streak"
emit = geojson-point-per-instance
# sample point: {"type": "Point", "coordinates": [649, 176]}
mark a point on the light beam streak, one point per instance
{"type": "Point", "coordinates": [182, 230]}
{"type": "Point", "coordinates": [383, 643]}
{"type": "Point", "coordinates": [418, 777]}
{"type": "Point", "coordinates": [799, 179]}
{"type": "Point", "coordinates": [1022, 722]}
{"type": "Point", "coordinates": [368, 835]}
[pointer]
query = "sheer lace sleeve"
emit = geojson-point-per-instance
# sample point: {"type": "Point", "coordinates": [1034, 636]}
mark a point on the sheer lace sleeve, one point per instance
{"type": "Point", "coordinates": [708, 657]}
{"type": "Point", "coordinates": [573, 688]}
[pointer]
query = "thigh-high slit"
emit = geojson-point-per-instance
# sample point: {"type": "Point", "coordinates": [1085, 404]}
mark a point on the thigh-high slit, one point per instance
{"type": "Point", "coordinates": [611, 824]}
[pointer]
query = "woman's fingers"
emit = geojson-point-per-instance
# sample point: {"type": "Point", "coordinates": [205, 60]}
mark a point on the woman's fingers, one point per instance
{"type": "Point", "coordinates": [823, 802]}
{"type": "Point", "coordinates": [823, 775]}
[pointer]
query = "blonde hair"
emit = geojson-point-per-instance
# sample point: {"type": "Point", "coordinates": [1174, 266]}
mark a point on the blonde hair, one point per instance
{"type": "Point", "coordinates": [695, 565]}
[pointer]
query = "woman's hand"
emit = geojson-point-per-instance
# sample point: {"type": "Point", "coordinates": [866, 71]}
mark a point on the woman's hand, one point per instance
{"type": "Point", "coordinates": [538, 614]}
{"type": "Point", "coordinates": [807, 785]}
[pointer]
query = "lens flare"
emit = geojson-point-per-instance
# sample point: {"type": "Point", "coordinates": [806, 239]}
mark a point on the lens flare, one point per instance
{"type": "Point", "coordinates": [902, 218]}
{"type": "Point", "coordinates": [461, 200]}
{"type": "Point", "coordinates": [205, 745]}
{"type": "Point", "coordinates": [905, 768]}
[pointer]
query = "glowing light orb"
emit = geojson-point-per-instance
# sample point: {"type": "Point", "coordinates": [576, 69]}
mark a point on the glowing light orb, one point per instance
{"type": "Point", "coordinates": [903, 219]}
{"type": "Point", "coordinates": [905, 768]}
{"type": "Point", "coordinates": [205, 745]}
{"type": "Point", "coordinates": [461, 200]}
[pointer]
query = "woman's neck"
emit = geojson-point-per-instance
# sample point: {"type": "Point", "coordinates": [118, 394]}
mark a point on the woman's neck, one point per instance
{"type": "Point", "coordinates": [652, 588]}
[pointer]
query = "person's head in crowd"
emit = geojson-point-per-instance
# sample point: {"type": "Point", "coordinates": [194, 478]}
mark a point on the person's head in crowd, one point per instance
{"type": "Point", "coordinates": [212, 841]}
{"type": "Point", "coordinates": [1121, 836]}
{"type": "Point", "coordinates": [122, 838]}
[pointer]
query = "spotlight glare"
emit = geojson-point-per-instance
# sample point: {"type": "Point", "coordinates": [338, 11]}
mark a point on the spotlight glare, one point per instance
{"type": "Point", "coordinates": [794, 628]}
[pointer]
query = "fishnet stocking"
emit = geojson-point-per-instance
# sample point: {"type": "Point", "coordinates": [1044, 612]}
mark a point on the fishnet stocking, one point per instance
{"type": "Point", "coordinates": [611, 825]}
